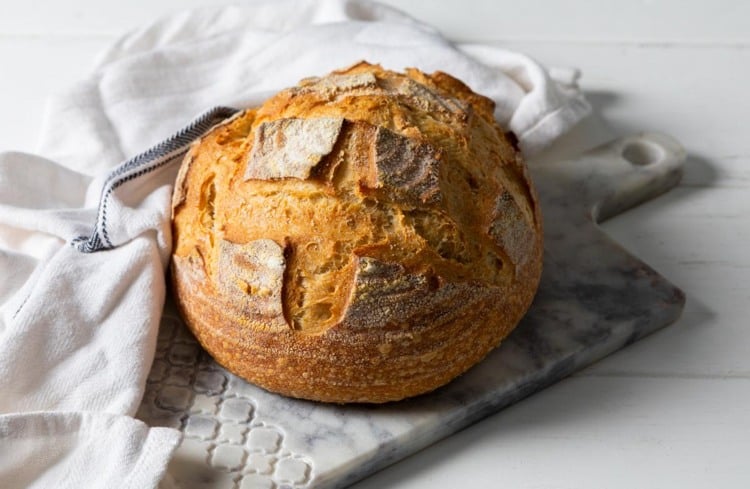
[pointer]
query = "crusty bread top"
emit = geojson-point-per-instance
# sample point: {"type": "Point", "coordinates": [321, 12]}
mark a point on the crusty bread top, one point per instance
{"type": "Point", "coordinates": [366, 199]}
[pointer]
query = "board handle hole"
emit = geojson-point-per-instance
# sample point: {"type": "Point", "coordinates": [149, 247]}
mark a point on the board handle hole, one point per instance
{"type": "Point", "coordinates": [642, 153]}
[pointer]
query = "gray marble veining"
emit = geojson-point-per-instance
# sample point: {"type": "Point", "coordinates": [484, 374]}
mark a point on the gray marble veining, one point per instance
{"type": "Point", "coordinates": [594, 299]}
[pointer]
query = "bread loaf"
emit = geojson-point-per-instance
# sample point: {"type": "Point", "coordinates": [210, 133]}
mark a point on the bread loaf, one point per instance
{"type": "Point", "coordinates": [365, 236]}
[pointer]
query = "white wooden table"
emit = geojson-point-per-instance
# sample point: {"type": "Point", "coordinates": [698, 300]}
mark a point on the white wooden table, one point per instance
{"type": "Point", "coordinates": [672, 410]}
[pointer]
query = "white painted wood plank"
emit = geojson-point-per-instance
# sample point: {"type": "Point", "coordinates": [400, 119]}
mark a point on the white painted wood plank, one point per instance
{"type": "Point", "coordinates": [617, 433]}
{"type": "Point", "coordinates": [696, 94]}
{"type": "Point", "coordinates": [693, 21]}
{"type": "Point", "coordinates": [662, 21]}
{"type": "Point", "coordinates": [732, 170]}
{"type": "Point", "coordinates": [89, 17]}
{"type": "Point", "coordinates": [31, 70]}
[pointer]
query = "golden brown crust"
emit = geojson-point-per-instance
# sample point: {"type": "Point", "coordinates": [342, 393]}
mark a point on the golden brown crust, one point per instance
{"type": "Point", "coordinates": [361, 237]}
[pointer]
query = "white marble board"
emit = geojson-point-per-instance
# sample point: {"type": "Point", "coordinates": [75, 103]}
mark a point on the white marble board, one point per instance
{"type": "Point", "coordinates": [594, 299]}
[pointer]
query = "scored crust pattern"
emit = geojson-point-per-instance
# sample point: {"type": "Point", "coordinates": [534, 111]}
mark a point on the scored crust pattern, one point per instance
{"type": "Point", "coordinates": [364, 236]}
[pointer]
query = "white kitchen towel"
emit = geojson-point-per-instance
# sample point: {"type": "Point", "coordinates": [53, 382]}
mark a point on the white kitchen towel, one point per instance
{"type": "Point", "coordinates": [82, 450]}
{"type": "Point", "coordinates": [84, 242]}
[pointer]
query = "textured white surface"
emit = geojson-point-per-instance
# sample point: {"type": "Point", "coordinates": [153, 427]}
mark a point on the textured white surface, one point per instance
{"type": "Point", "coordinates": [669, 411]}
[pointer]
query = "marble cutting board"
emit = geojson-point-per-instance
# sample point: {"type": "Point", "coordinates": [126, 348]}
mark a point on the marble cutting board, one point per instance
{"type": "Point", "coordinates": [594, 299]}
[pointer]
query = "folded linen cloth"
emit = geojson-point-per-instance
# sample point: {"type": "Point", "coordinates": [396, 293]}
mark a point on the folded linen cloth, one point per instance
{"type": "Point", "coordinates": [84, 242]}
{"type": "Point", "coordinates": [81, 449]}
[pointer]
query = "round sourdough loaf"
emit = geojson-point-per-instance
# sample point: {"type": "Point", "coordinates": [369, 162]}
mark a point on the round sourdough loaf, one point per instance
{"type": "Point", "coordinates": [362, 237]}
